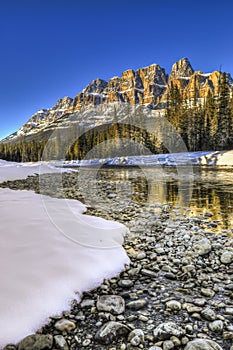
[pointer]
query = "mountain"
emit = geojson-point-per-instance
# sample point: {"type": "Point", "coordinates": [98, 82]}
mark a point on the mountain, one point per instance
{"type": "Point", "coordinates": [148, 86]}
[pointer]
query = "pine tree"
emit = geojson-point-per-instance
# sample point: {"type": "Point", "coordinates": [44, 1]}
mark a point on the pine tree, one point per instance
{"type": "Point", "coordinates": [224, 118]}
{"type": "Point", "coordinates": [174, 105]}
{"type": "Point", "coordinates": [210, 122]}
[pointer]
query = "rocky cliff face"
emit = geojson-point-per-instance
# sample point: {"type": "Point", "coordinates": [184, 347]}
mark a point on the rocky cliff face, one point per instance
{"type": "Point", "coordinates": [181, 69]}
{"type": "Point", "coordinates": [146, 86]}
{"type": "Point", "coordinates": [189, 80]}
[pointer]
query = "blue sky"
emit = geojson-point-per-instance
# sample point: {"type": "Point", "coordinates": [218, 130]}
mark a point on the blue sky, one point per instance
{"type": "Point", "coordinates": [51, 49]}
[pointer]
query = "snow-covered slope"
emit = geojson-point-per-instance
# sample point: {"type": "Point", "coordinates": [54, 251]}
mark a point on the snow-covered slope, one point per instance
{"type": "Point", "coordinates": [42, 118]}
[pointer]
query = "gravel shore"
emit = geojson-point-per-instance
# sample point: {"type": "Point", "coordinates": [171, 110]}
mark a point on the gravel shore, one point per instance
{"type": "Point", "coordinates": [177, 293]}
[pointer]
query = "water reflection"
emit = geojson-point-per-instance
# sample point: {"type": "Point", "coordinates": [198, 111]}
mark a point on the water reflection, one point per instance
{"type": "Point", "coordinates": [210, 191]}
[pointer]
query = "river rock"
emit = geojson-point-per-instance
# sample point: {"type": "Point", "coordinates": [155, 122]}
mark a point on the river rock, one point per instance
{"type": "Point", "coordinates": [36, 342]}
{"type": "Point", "coordinates": [173, 305]}
{"type": "Point", "coordinates": [136, 337]}
{"type": "Point", "coordinates": [137, 304]}
{"type": "Point", "coordinates": [202, 344]}
{"type": "Point", "coordinates": [202, 247]}
{"type": "Point", "coordinates": [227, 257]}
{"type": "Point", "coordinates": [64, 325]}
{"type": "Point", "coordinates": [208, 314]}
{"type": "Point", "coordinates": [110, 332]}
{"type": "Point", "coordinates": [229, 311]}
{"type": "Point", "coordinates": [111, 195]}
{"type": "Point", "coordinates": [227, 335]}
{"type": "Point", "coordinates": [148, 273]}
{"type": "Point", "coordinates": [60, 342]}
{"type": "Point", "coordinates": [114, 304]}
{"type": "Point", "coordinates": [207, 292]}
{"type": "Point", "coordinates": [124, 283]}
{"type": "Point", "coordinates": [216, 326]}
{"type": "Point", "coordinates": [141, 255]}
{"type": "Point", "coordinates": [168, 345]}
{"type": "Point", "coordinates": [166, 330]}
{"type": "Point", "coordinates": [87, 303]}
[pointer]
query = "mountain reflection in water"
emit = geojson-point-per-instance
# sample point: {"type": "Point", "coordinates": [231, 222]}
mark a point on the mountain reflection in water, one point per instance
{"type": "Point", "coordinates": [204, 191]}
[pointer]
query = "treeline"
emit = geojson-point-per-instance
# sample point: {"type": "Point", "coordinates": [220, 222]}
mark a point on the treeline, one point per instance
{"type": "Point", "coordinates": [115, 140]}
{"type": "Point", "coordinates": [23, 151]}
{"type": "Point", "coordinates": [203, 124]}
{"type": "Point", "coordinates": [108, 140]}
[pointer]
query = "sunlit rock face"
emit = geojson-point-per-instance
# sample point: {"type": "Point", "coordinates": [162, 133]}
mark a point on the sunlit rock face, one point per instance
{"type": "Point", "coordinates": [148, 86]}
{"type": "Point", "coordinates": [181, 69]}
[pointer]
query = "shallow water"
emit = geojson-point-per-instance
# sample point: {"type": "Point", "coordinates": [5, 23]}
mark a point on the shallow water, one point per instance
{"type": "Point", "coordinates": [203, 191]}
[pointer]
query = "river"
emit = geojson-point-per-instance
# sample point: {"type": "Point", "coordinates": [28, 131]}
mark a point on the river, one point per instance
{"type": "Point", "coordinates": [206, 191]}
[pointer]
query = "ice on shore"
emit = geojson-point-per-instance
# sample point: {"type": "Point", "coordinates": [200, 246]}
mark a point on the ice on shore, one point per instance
{"type": "Point", "coordinates": [41, 269]}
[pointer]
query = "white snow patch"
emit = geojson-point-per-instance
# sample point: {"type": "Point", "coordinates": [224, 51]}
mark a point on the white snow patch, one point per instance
{"type": "Point", "coordinates": [127, 90]}
{"type": "Point", "coordinates": [216, 158]}
{"type": "Point", "coordinates": [115, 77]}
{"type": "Point", "coordinates": [95, 94]}
{"type": "Point", "coordinates": [41, 269]}
{"type": "Point", "coordinates": [146, 67]}
{"type": "Point", "coordinates": [186, 78]}
{"type": "Point", "coordinates": [219, 158]}
{"type": "Point", "coordinates": [14, 170]}
{"type": "Point", "coordinates": [160, 85]}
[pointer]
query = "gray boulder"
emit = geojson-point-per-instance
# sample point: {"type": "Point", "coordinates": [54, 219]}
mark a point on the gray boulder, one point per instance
{"type": "Point", "coordinates": [36, 342]}
{"type": "Point", "coordinates": [202, 344]}
{"type": "Point", "coordinates": [110, 332]}
{"type": "Point", "coordinates": [111, 303]}
{"type": "Point", "coordinates": [202, 247]}
{"type": "Point", "coordinates": [167, 330]}
{"type": "Point", "coordinates": [227, 257]}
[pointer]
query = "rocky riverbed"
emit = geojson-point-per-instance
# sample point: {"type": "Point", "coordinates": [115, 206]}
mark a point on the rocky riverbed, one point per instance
{"type": "Point", "coordinates": [177, 293]}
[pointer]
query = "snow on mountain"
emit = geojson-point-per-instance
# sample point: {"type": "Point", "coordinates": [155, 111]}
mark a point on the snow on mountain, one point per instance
{"type": "Point", "coordinates": [146, 86]}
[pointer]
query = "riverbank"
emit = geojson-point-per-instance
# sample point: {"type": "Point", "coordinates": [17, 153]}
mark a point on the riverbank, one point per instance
{"type": "Point", "coordinates": [176, 294]}
{"type": "Point", "coordinates": [188, 159]}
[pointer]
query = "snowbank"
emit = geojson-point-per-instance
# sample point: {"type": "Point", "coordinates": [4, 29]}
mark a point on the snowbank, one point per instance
{"type": "Point", "coordinates": [15, 171]}
{"type": "Point", "coordinates": [42, 269]}
{"type": "Point", "coordinates": [218, 158]}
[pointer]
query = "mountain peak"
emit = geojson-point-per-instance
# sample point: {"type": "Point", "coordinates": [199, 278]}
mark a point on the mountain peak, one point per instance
{"type": "Point", "coordinates": [182, 68]}
{"type": "Point", "coordinates": [147, 86]}
{"type": "Point", "coordinates": [96, 86]}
